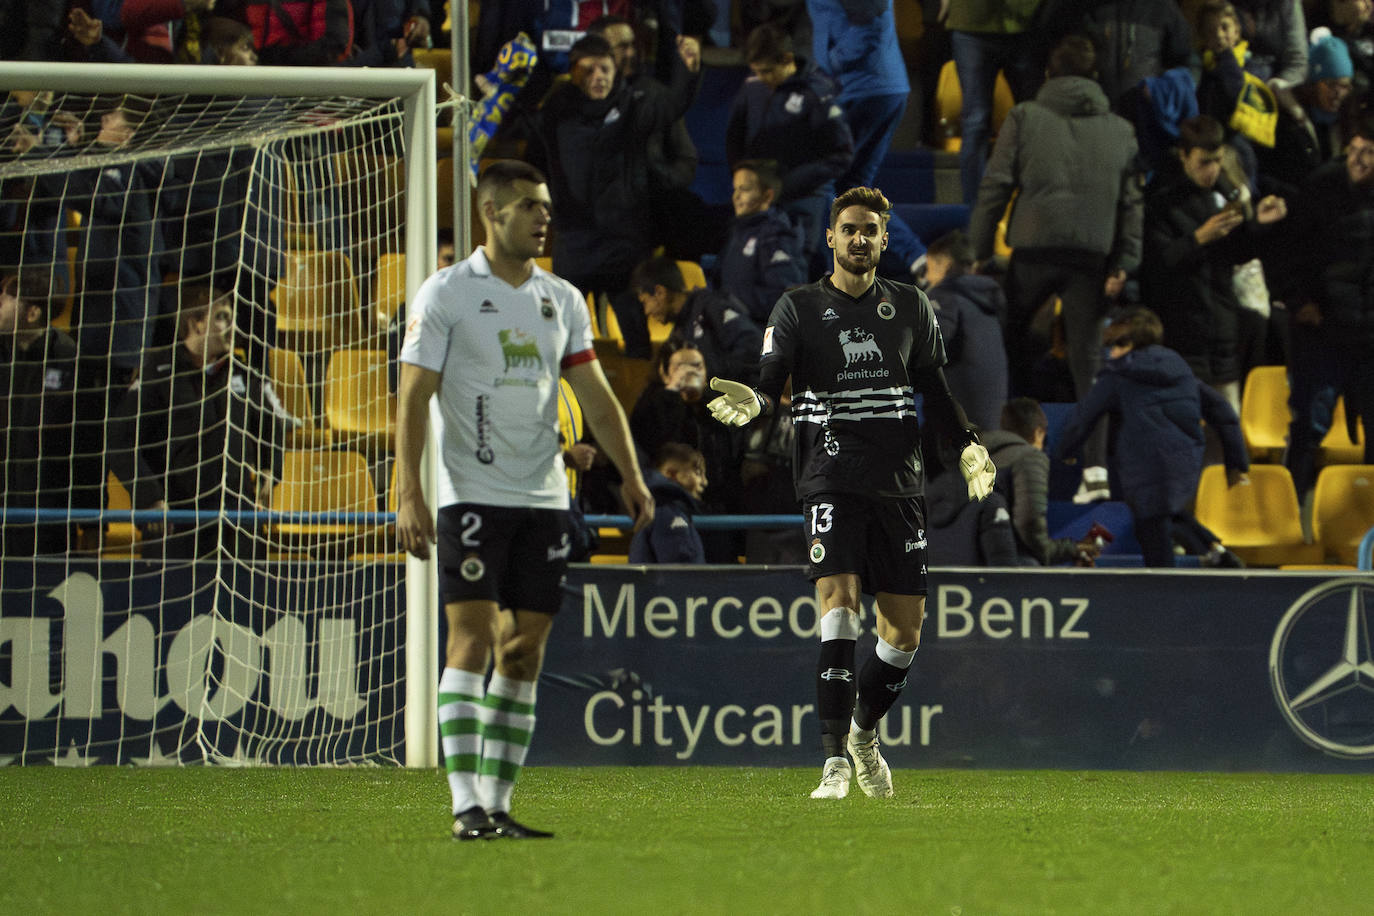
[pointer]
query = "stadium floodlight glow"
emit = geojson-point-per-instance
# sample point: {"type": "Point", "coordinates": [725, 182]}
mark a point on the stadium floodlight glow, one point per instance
{"type": "Point", "coordinates": [295, 191]}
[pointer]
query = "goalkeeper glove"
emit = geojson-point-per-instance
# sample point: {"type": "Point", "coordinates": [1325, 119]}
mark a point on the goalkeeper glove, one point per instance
{"type": "Point", "coordinates": [978, 470]}
{"type": "Point", "coordinates": [737, 405]}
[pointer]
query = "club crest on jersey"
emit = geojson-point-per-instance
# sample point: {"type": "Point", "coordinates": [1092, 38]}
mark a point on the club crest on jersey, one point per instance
{"type": "Point", "coordinates": [546, 307]}
{"type": "Point", "coordinates": [520, 350]}
{"type": "Point", "coordinates": [817, 551]}
{"type": "Point", "coordinates": [859, 346]}
{"type": "Point", "coordinates": [885, 310]}
{"type": "Point", "coordinates": [473, 569]}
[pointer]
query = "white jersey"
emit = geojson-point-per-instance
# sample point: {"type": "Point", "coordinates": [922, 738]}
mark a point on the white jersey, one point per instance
{"type": "Point", "coordinates": [501, 350]}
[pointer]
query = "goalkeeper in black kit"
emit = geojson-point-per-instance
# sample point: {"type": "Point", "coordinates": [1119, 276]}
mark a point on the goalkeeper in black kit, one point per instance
{"type": "Point", "coordinates": [858, 349]}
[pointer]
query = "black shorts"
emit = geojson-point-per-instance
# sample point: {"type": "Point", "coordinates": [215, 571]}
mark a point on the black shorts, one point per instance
{"type": "Point", "coordinates": [881, 540]}
{"type": "Point", "coordinates": [514, 556]}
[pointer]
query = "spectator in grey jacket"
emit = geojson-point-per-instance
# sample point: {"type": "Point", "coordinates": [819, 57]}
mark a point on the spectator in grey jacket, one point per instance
{"type": "Point", "coordinates": [1023, 477]}
{"type": "Point", "coordinates": [1076, 227]}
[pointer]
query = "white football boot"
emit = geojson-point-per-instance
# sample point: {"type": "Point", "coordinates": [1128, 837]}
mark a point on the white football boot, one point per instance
{"type": "Point", "coordinates": [834, 779]}
{"type": "Point", "coordinates": [871, 769]}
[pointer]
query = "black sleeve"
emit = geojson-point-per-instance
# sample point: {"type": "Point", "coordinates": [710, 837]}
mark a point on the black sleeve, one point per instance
{"type": "Point", "coordinates": [943, 415]}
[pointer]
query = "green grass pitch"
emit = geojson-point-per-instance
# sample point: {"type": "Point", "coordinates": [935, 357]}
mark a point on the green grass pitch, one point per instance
{"type": "Point", "coordinates": [686, 840]}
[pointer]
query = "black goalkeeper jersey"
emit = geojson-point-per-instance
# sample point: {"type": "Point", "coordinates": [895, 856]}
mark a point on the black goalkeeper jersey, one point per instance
{"type": "Point", "coordinates": [856, 366]}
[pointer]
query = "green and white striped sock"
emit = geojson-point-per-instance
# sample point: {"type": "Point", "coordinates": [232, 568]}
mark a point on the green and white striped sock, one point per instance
{"type": "Point", "coordinates": [507, 725]}
{"type": "Point", "coordinates": [460, 727]}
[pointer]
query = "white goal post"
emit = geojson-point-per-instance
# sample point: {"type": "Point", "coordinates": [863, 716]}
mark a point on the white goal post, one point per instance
{"type": "Point", "coordinates": [338, 168]}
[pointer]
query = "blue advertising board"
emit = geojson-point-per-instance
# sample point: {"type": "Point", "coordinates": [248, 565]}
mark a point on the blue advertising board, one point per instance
{"type": "Point", "coordinates": [1207, 670]}
{"type": "Point", "coordinates": [138, 663]}
{"type": "Point", "coordinates": [1073, 669]}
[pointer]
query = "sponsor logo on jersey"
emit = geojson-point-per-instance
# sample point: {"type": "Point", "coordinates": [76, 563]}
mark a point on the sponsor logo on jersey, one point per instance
{"type": "Point", "coordinates": [484, 452]}
{"type": "Point", "coordinates": [487, 307]}
{"type": "Point", "coordinates": [520, 350]}
{"type": "Point", "coordinates": [472, 568]}
{"type": "Point", "coordinates": [859, 347]}
{"type": "Point", "coordinates": [837, 674]}
{"type": "Point", "coordinates": [915, 544]}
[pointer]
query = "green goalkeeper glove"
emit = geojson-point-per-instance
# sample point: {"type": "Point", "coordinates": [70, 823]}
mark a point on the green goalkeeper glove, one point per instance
{"type": "Point", "coordinates": [737, 405]}
{"type": "Point", "coordinates": [978, 470]}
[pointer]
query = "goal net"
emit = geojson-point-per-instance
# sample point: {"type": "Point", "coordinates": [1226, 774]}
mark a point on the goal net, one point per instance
{"type": "Point", "coordinates": [205, 271]}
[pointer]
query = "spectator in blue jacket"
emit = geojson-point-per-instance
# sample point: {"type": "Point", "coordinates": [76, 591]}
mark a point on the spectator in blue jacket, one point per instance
{"type": "Point", "coordinates": [1158, 405]}
{"type": "Point", "coordinates": [855, 42]}
{"type": "Point", "coordinates": [970, 309]}
{"type": "Point", "coordinates": [677, 482]}
{"type": "Point", "coordinates": [763, 253]}
{"type": "Point", "coordinates": [788, 113]}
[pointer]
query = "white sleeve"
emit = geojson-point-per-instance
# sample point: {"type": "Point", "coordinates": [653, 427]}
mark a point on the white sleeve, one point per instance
{"type": "Point", "coordinates": [429, 320]}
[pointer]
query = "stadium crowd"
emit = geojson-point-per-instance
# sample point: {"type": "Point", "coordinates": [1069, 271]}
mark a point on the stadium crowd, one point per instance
{"type": "Point", "coordinates": [1211, 161]}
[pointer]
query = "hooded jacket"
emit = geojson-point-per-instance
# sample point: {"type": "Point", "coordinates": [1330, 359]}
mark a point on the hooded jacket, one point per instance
{"type": "Point", "coordinates": [671, 537]}
{"type": "Point", "coordinates": [1158, 405]}
{"type": "Point", "coordinates": [761, 258]}
{"type": "Point", "coordinates": [966, 532]}
{"type": "Point", "coordinates": [970, 309]}
{"type": "Point", "coordinates": [1023, 478]}
{"type": "Point", "coordinates": [1065, 153]}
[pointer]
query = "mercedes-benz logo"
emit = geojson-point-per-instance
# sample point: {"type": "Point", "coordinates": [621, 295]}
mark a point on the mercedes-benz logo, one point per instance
{"type": "Point", "coordinates": [1322, 669]}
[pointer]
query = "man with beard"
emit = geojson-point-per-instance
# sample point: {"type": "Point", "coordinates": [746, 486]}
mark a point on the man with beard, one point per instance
{"type": "Point", "coordinates": [858, 349]}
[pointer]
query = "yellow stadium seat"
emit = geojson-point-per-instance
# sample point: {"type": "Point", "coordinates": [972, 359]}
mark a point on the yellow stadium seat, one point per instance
{"type": "Point", "coordinates": [1343, 509]}
{"type": "Point", "coordinates": [287, 374]}
{"type": "Point", "coordinates": [949, 101]}
{"type": "Point", "coordinates": [1259, 521]}
{"type": "Point", "coordinates": [389, 291]}
{"type": "Point", "coordinates": [316, 299]}
{"type": "Point", "coordinates": [569, 429]}
{"type": "Point", "coordinates": [322, 481]}
{"type": "Point", "coordinates": [358, 403]}
{"type": "Point", "coordinates": [120, 539]}
{"type": "Point", "coordinates": [1337, 447]}
{"type": "Point", "coordinates": [693, 277]}
{"type": "Point", "coordinates": [1264, 414]}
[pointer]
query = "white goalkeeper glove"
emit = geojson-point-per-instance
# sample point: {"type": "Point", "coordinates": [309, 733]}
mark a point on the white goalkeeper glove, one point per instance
{"type": "Point", "coordinates": [737, 405]}
{"type": "Point", "coordinates": [978, 470]}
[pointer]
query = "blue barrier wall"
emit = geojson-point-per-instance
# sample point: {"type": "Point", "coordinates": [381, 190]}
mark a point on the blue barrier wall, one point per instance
{"type": "Point", "coordinates": [1074, 669]}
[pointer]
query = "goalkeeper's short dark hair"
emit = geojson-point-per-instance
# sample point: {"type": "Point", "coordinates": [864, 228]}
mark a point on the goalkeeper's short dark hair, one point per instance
{"type": "Point", "coordinates": [871, 198]}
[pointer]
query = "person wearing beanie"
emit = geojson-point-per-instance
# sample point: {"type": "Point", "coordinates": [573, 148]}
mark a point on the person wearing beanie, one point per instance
{"type": "Point", "coordinates": [1309, 131]}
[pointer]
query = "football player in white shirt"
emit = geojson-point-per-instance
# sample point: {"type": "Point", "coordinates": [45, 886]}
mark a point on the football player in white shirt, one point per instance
{"type": "Point", "coordinates": [490, 336]}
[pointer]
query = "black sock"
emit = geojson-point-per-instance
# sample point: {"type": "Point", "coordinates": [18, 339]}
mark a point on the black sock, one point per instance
{"type": "Point", "coordinates": [879, 686]}
{"type": "Point", "coordinates": [835, 693]}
